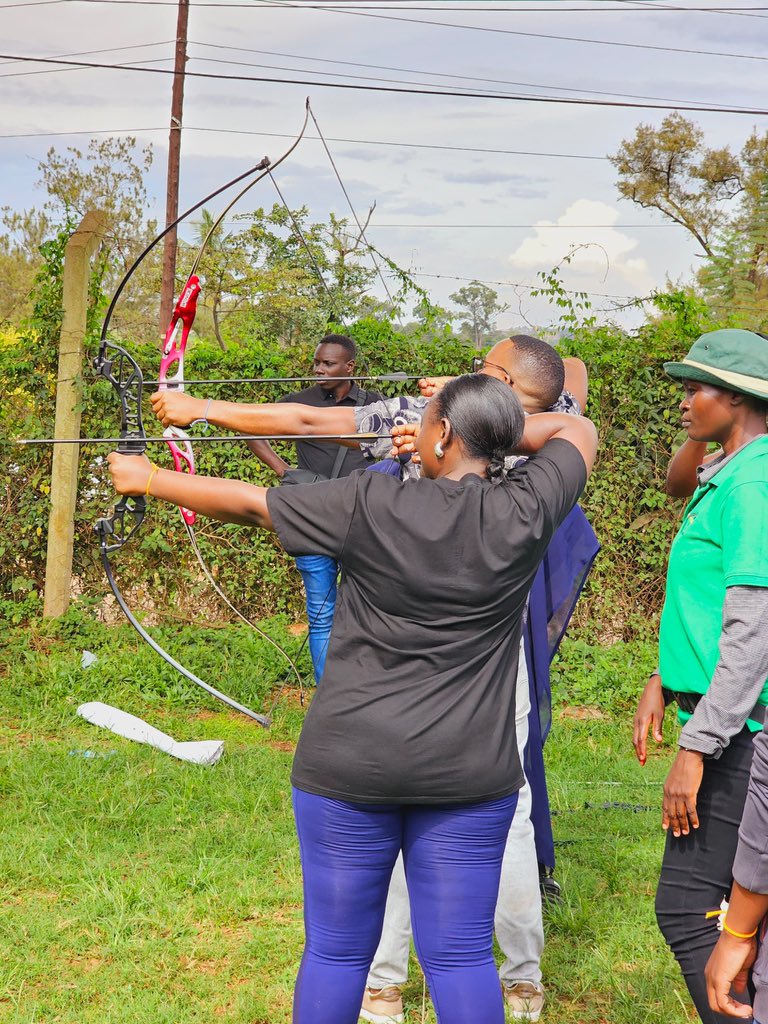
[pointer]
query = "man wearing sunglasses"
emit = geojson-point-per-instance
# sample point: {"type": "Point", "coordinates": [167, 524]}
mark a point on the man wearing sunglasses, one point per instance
{"type": "Point", "coordinates": [543, 381]}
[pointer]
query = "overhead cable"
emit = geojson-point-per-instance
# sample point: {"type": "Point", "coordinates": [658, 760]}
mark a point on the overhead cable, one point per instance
{"type": "Point", "coordinates": [401, 90]}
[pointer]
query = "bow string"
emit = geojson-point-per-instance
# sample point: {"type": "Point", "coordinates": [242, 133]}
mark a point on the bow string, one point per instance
{"type": "Point", "coordinates": [119, 368]}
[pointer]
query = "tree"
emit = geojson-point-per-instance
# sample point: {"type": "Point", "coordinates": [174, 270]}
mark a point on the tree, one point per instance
{"type": "Point", "coordinates": [720, 198]}
{"type": "Point", "coordinates": [282, 276]}
{"type": "Point", "coordinates": [20, 260]}
{"type": "Point", "coordinates": [480, 307]}
{"type": "Point", "coordinates": [669, 169]}
{"type": "Point", "coordinates": [109, 176]}
{"type": "Point", "coordinates": [735, 279]}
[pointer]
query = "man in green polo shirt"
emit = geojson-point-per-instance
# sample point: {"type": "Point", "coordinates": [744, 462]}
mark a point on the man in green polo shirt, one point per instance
{"type": "Point", "coordinates": [713, 644]}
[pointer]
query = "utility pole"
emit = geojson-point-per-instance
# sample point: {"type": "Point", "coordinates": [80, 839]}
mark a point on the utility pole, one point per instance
{"type": "Point", "coordinates": [174, 157]}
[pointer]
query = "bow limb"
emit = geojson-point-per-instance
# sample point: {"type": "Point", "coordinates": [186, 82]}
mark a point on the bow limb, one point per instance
{"type": "Point", "coordinates": [268, 169]}
{"type": "Point", "coordinates": [185, 310]}
{"type": "Point", "coordinates": [263, 165]}
{"type": "Point", "coordinates": [229, 701]}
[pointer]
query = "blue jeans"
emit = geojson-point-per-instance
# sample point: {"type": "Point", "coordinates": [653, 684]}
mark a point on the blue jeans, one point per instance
{"type": "Point", "coordinates": [452, 856]}
{"type": "Point", "coordinates": [319, 574]}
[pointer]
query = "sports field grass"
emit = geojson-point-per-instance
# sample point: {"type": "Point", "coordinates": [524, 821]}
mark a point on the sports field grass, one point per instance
{"type": "Point", "coordinates": [135, 888]}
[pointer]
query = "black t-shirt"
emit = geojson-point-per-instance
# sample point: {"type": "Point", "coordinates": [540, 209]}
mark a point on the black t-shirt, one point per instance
{"type": "Point", "coordinates": [320, 456]}
{"type": "Point", "coordinates": [417, 701]}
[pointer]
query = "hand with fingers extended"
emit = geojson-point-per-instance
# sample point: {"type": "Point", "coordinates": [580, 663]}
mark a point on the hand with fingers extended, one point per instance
{"type": "Point", "coordinates": [404, 441]}
{"type": "Point", "coordinates": [680, 791]}
{"type": "Point", "coordinates": [177, 409]}
{"type": "Point", "coordinates": [130, 473]}
{"type": "Point", "coordinates": [649, 716]}
{"type": "Point", "coordinates": [728, 968]}
{"type": "Point", "coordinates": [429, 386]}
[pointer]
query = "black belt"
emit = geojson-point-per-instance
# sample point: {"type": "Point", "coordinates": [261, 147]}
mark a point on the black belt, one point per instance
{"type": "Point", "coordinates": [687, 702]}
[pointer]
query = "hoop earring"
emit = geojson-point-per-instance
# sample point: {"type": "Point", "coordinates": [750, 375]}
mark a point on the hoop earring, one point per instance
{"type": "Point", "coordinates": [438, 450]}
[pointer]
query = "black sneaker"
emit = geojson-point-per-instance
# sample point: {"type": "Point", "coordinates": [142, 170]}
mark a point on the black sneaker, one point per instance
{"type": "Point", "coordinates": [549, 886]}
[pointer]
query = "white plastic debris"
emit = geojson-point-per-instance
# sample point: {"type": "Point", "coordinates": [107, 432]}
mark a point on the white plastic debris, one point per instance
{"type": "Point", "coordinates": [88, 659]}
{"type": "Point", "coordinates": [133, 728]}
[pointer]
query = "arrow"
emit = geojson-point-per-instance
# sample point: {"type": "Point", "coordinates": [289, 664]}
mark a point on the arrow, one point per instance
{"type": "Point", "coordinates": [216, 438]}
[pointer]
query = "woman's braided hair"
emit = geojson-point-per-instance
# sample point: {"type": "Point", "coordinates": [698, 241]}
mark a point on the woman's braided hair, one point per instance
{"type": "Point", "coordinates": [485, 415]}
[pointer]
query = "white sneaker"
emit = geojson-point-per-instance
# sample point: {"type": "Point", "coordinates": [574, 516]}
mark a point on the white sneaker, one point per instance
{"type": "Point", "coordinates": [383, 1005]}
{"type": "Point", "coordinates": [525, 999]}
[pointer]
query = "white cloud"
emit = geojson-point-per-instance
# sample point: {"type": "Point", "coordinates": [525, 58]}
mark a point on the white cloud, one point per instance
{"type": "Point", "coordinates": [608, 250]}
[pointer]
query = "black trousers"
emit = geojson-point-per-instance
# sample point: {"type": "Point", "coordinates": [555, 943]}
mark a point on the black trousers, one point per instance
{"type": "Point", "coordinates": [696, 869]}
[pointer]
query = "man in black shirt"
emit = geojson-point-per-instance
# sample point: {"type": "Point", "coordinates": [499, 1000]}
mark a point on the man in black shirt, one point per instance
{"type": "Point", "coordinates": [334, 358]}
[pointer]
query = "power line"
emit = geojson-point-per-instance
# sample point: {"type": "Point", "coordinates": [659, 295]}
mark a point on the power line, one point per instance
{"type": "Point", "coordinates": [401, 90]}
{"type": "Point", "coordinates": [640, 8]}
{"type": "Point", "coordinates": [108, 49]}
{"type": "Point", "coordinates": [735, 11]}
{"type": "Point", "coordinates": [314, 138]}
{"type": "Point", "coordinates": [326, 9]}
{"type": "Point", "coordinates": [128, 66]}
{"type": "Point", "coordinates": [517, 284]}
{"type": "Point", "coordinates": [399, 81]}
{"type": "Point", "coordinates": [489, 227]}
{"type": "Point", "coordinates": [419, 71]}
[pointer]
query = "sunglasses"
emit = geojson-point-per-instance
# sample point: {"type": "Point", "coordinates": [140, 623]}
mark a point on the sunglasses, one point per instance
{"type": "Point", "coordinates": [478, 364]}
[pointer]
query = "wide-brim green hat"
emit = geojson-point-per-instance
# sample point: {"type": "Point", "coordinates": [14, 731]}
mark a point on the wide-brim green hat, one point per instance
{"type": "Point", "coordinates": [733, 359]}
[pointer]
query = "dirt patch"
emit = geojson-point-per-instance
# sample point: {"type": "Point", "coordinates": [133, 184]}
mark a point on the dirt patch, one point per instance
{"type": "Point", "coordinates": [584, 713]}
{"type": "Point", "coordinates": [88, 964]}
{"type": "Point", "coordinates": [191, 963]}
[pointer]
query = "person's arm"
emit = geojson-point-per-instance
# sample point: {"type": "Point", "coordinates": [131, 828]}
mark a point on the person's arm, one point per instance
{"type": "Point", "coordinates": [264, 451]}
{"type": "Point", "coordinates": [649, 716]}
{"type": "Point", "coordinates": [576, 380]}
{"type": "Point", "coordinates": [548, 426]}
{"type": "Point", "coordinates": [229, 501]}
{"type": "Point", "coordinates": [681, 472]}
{"type": "Point", "coordinates": [730, 962]}
{"type": "Point", "coordinates": [739, 676]}
{"type": "Point", "coordinates": [738, 680]}
{"type": "Point", "coordinates": [175, 408]}
{"type": "Point", "coordinates": [733, 956]}
{"type": "Point", "coordinates": [429, 386]}
{"type": "Point", "coordinates": [543, 427]}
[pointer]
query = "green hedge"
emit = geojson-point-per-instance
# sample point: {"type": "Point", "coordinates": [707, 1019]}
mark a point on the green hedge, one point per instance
{"type": "Point", "coordinates": [631, 400]}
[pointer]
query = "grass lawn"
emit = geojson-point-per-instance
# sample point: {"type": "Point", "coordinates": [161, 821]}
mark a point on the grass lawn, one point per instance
{"type": "Point", "coordinates": [135, 888]}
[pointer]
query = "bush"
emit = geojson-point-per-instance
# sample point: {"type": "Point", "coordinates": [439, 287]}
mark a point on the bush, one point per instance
{"type": "Point", "coordinates": [631, 401]}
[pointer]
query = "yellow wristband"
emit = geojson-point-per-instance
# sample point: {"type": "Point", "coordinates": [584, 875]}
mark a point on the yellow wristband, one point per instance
{"type": "Point", "coordinates": [738, 935]}
{"type": "Point", "coordinates": [149, 479]}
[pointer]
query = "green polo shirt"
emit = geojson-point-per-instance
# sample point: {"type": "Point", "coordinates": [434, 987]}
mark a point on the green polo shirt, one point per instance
{"type": "Point", "coordinates": [722, 542]}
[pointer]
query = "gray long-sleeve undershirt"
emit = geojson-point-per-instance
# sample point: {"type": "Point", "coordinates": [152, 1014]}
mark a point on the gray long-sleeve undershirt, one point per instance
{"type": "Point", "coordinates": [750, 868]}
{"type": "Point", "coordinates": [740, 675]}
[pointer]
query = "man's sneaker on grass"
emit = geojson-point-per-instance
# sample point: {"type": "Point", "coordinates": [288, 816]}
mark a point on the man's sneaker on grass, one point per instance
{"type": "Point", "coordinates": [524, 999]}
{"type": "Point", "coordinates": [383, 1005]}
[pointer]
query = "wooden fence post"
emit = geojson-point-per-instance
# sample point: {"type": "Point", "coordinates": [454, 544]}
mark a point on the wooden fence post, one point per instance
{"type": "Point", "coordinates": [66, 457]}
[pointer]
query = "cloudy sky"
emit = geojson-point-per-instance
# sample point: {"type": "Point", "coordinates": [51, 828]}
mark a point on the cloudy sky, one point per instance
{"type": "Point", "coordinates": [491, 187]}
